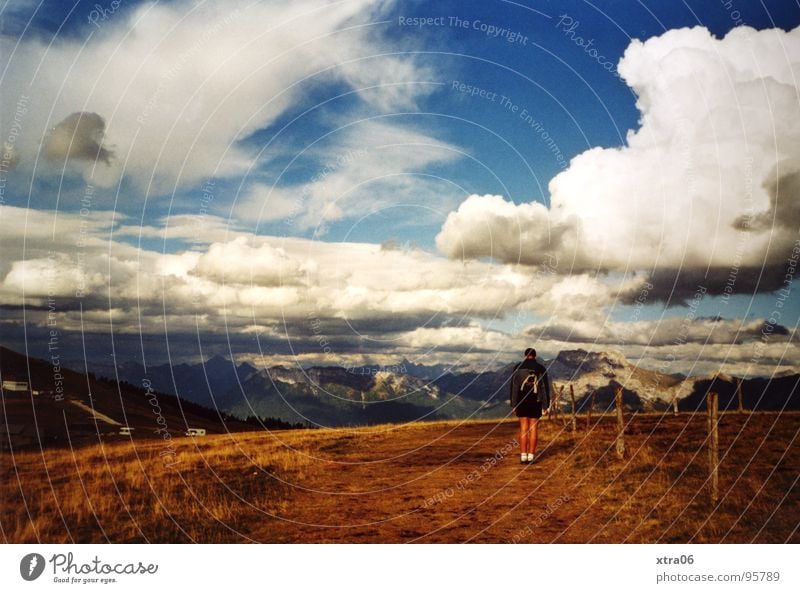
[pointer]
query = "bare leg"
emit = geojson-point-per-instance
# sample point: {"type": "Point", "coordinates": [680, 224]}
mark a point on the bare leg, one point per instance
{"type": "Point", "coordinates": [524, 427]}
{"type": "Point", "coordinates": [534, 435]}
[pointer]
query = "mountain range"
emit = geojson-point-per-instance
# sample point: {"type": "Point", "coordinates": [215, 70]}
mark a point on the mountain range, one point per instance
{"type": "Point", "coordinates": [43, 404]}
{"type": "Point", "coordinates": [338, 396]}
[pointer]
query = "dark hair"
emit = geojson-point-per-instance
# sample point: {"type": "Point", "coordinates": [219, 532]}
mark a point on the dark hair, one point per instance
{"type": "Point", "coordinates": [530, 352]}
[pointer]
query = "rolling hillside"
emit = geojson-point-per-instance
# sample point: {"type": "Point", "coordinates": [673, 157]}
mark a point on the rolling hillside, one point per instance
{"type": "Point", "coordinates": [63, 407]}
{"type": "Point", "coordinates": [449, 481]}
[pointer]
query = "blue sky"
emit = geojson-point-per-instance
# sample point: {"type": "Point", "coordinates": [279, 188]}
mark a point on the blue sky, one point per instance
{"type": "Point", "coordinates": [359, 83]}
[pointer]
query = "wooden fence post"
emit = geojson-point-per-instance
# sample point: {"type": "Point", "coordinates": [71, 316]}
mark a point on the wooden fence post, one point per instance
{"type": "Point", "coordinates": [739, 394]}
{"type": "Point", "coordinates": [574, 420]}
{"type": "Point", "coordinates": [557, 403]}
{"type": "Point", "coordinates": [675, 406]}
{"type": "Point", "coordinates": [712, 400]}
{"type": "Point", "coordinates": [620, 423]}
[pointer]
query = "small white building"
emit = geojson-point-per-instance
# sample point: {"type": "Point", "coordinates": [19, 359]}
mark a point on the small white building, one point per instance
{"type": "Point", "coordinates": [11, 384]}
{"type": "Point", "coordinates": [196, 432]}
{"type": "Point", "coordinates": [126, 430]}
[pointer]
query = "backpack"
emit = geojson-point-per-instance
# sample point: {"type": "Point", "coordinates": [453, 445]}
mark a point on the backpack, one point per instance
{"type": "Point", "coordinates": [530, 386]}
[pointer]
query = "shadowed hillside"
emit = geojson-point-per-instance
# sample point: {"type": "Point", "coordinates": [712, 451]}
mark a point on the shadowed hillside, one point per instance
{"type": "Point", "coordinates": [62, 407]}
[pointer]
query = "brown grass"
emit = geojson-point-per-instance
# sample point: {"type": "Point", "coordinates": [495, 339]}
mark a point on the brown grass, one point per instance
{"type": "Point", "coordinates": [431, 482]}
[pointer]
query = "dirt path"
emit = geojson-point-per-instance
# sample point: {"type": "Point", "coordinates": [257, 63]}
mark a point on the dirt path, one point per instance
{"type": "Point", "coordinates": [94, 413]}
{"type": "Point", "coordinates": [466, 486]}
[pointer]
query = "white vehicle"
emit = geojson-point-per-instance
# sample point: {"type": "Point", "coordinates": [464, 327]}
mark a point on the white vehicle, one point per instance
{"type": "Point", "coordinates": [196, 432]}
{"type": "Point", "coordinates": [126, 430]}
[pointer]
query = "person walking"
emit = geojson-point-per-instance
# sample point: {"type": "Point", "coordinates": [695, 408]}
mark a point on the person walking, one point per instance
{"type": "Point", "coordinates": [530, 398]}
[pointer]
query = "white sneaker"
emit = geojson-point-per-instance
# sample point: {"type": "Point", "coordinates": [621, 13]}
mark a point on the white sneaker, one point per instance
{"type": "Point", "coordinates": [529, 458]}
{"type": "Point", "coordinates": [523, 458]}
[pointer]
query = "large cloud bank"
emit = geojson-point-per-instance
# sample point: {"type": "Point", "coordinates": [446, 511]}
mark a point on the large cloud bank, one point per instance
{"type": "Point", "coordinates": [362, 301]}
{"type": "Point", "coordinates": [705, 191]}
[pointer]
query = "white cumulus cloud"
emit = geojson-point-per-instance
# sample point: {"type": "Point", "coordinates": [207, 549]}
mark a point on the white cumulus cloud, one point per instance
{"type": "Point", "coordinates": [708, 181]}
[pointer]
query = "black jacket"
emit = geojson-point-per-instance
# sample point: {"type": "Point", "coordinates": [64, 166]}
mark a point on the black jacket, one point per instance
{"type": "Point", "coordinates": [521, 371]}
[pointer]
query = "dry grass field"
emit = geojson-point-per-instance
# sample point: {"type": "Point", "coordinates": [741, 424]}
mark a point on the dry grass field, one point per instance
{"type": "Point", "coordinates": [426, 482]}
